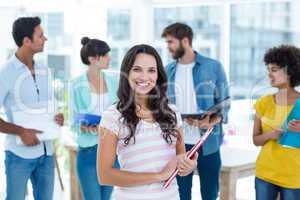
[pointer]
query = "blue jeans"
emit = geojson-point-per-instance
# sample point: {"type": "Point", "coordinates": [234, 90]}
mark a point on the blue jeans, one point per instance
{"type": "Point", "coordinates": [209, 173]}
{"type": "Point", "coordinates": [265, 190]}
{"type": "Point", "coordinates": [39, 170]}
{"type": "Point", "coordinates": [87, 174]}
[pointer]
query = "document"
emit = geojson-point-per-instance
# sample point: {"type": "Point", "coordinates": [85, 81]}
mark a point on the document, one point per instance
{"type": "Point", "coordinates": [37, 119]}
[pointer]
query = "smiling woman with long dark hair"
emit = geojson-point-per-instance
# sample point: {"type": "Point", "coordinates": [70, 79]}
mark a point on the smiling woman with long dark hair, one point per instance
{"type": "Point", "coordinates": [158, 104]}
{"type": "Point", "coordinates": [143, 130]}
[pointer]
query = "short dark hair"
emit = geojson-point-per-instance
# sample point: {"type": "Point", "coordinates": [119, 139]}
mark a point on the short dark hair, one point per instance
{"type": "Point", "coordinates": [179, 31]}
{"type": "Point", "coordinates": [92, 48]}
{"type": "Point", "coordinates": [24, 27]}
{"type": "Point", "coordinates": [288, 57]}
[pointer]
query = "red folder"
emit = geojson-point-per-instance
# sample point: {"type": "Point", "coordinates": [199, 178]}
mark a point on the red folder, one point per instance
{"type": "Point", "coordinates": [190, 154]}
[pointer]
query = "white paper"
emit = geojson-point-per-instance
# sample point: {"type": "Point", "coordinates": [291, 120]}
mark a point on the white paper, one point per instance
{"type": "Point", "coordinates": [40, 120]}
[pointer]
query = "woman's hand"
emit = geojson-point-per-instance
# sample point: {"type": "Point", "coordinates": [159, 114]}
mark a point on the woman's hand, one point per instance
{"type": "Point", "coordinates": [275, 134]}
{"type": "Point", "coordinates": [59, 119]}
{"type": "Point", "coordinates": [185, 165]}
{"type": "Point", "coordinates": [168, 169]}
{"type": "Point", "coordinates": [294, 125]}
{"type": "Point", "coordinates": [88, 129]}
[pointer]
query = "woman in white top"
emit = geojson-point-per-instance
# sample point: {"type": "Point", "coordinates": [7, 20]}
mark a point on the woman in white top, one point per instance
{"type": "Point", "coordinates": [144, 131]}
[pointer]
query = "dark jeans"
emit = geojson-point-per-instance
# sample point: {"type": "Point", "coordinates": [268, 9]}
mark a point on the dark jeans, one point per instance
{"type": "Point", "coordinates": [87, 174]}
{"type": "Point", "coordinates": [265, 190]}
{"type": "Point", "coordinates": [209, 173]}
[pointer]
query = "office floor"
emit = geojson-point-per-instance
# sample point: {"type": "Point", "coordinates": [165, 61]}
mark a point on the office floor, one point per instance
{"type": "Point", "coordinates": [245, 186]}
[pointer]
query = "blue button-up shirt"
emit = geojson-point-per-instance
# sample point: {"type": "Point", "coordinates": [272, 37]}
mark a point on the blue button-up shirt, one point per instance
{"type": "Point", "coordinates": [211, 87]}
{"type": "Point", "coordinates": [19, 91]}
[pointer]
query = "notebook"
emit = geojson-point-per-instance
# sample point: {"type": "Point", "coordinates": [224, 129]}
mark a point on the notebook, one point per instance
{"type": "Point", "coordinates": [289, 138]}
{"type": "Point", "coordinates": [190, 155]}
{"type": "Point", "coordinates": [88, 119]}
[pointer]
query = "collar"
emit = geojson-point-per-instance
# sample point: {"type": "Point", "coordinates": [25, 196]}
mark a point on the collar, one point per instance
{"type": "Point", "coordinates": [198, 59]}
{"type": "Point", "coordinates": [18, 64]}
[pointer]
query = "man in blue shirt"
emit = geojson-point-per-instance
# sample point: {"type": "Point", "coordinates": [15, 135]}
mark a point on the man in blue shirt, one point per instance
{"type": "Point", "coordinates": [195, 83]}
{"type": "Point", "coordinates": [26, 84]}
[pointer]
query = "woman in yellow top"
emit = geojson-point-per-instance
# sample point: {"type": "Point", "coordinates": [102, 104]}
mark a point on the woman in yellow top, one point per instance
{"type": "Point", "coordinates": [278, 167]}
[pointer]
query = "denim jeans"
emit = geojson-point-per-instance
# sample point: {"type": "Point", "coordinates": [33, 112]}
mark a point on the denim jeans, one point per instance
{"type": "Point", "coordinates": [209, 173]}
{"type": "Point", "coordinates": [265, 190]}
{"type": "Point", "coordinates": [87, 174]}
{"type": "Point", "coordinates": [39, 170]}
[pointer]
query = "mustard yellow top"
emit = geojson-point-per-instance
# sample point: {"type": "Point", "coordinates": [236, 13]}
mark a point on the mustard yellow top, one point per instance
{"type": "Point", "coordinates": [276, 164]}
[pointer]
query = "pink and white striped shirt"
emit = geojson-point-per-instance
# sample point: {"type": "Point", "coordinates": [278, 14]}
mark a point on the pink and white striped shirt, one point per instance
{"type": "Point", "coordinates": [149, 153]}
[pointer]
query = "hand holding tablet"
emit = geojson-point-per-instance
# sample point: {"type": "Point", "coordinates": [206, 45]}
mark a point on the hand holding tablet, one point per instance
{"type": "Point", "coordinates": [213, 110]}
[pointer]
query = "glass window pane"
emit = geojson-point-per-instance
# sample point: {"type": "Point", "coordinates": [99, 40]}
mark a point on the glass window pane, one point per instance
{"type": "Point", "coordinates": [204, 20]}
{"type": "Point", "coordinates": [252, 33]}
{"type": "Point", "coordinates": [118, 24]}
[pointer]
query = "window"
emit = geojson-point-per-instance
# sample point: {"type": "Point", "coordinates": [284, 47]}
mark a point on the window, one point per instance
{"type": "Point", "coordinates": [118, 34]}
{"type": "Point", "coordinates": [204, 20]}
{"type": "Point", "coordinates": [118, 24]}
{"type": "Point", "coordinates": [252, 33]}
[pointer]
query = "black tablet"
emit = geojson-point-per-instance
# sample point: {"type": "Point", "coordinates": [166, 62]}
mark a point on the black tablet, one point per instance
{"type": "Point", "coordinates": [193, 115]}
{"type": "Point", "coordinates": [212, 110]}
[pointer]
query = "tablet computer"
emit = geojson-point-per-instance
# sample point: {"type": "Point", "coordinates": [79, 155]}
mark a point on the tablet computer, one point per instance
{"type": "Point", "coordinates": [193, 115]}
{"type": "Point", "coordinates": [215, 109]}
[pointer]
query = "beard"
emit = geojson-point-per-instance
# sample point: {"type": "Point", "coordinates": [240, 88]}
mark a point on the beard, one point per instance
{"type": "Point", "coordinates": [179, 52]}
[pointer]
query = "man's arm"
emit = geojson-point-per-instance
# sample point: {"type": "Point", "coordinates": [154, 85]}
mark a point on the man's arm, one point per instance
{"type": "Point", "coordinates": [221, 90]}
{"type": "Point", "coordinates": [28, 136]}
{"type": "Point", "coordinates": [6, 127]}
{"type": "Point", "coordinates": [9, 128]}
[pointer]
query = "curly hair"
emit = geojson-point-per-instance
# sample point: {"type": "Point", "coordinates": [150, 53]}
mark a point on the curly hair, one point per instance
{"type": "Point", "coordinates": [286, 56]}
{"type": "Point", "coordinates": [158, 103]}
